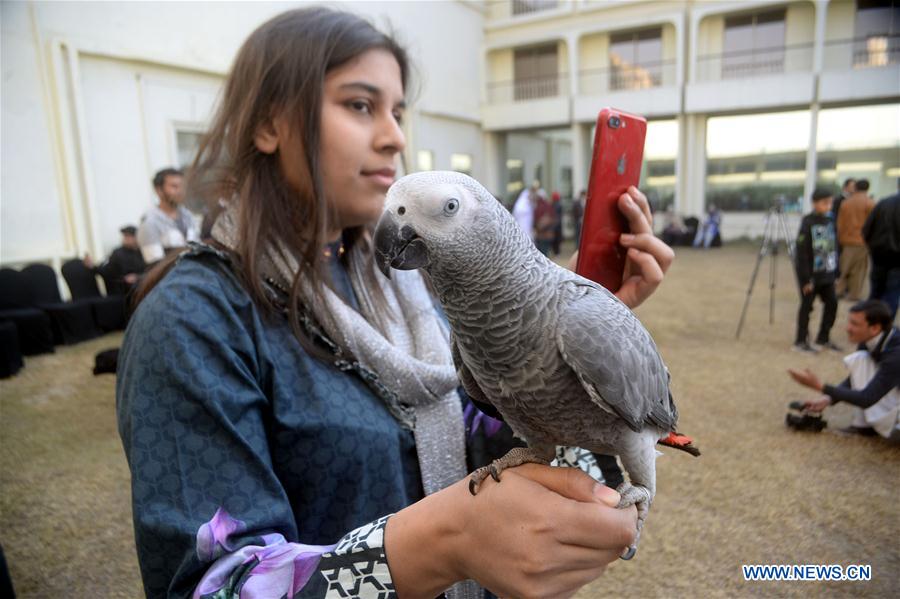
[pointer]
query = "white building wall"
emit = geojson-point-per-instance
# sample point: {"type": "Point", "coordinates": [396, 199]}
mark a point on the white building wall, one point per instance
{"type": "Point", "coordinates": [31, 211]}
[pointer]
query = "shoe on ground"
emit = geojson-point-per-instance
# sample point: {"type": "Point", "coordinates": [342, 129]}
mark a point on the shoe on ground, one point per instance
{"type": "Point", "coordinates": [805, 348]}
{"type": "Point", "coordinates": [830, 345]}
{"type": "Point", "coordinates": [859, 431]}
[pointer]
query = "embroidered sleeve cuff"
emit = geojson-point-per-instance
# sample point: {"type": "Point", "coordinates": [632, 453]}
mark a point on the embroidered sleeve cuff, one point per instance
{"type": "Point", "coordinates": [270, 566]}
{"type": "Point", "coordinates": [576, 457]}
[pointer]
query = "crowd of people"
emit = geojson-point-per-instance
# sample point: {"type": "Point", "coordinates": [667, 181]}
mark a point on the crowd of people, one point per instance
{"type": "Point", "coordinates": [542, 217]}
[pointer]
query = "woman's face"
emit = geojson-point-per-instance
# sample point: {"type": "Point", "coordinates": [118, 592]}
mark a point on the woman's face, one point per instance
{"type": "Point", "coordinates": [362, 108]}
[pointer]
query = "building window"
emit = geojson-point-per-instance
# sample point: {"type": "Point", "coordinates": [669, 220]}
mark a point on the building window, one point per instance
{"type": "Point", "coordinates": [524, 7]}
{"type": "Point", "coordinates": [658, 173]}
{"type": "Point", "coordinates": [859, 142]}
{"type": "Point", "coordinates": [425, 160]}
{"type": "Point", "coordinates": [876, 40]}
{"type": "Point", "coordinates": [635, 59]}
{"type": "Point", "coordinates": [536, 72]}
{"type": "Point", "coordinates": [515, 176]}
{"type": "Point", "coordinates": [461, 163]}
{"type": "Point", "coordinates": [187, 142]}
{"type": "Point", "coordinates": [186, 145]}
{"type": "Point", "coordinates": [753, 44]}
{"type": "Point", "coordinates": [748, 168]}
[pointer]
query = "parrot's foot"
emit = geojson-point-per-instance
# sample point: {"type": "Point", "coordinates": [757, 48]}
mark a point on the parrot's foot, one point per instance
{"type": "Point", "coordinates": [640, 497]}
{"type": "Point", "coordinates": [515, 457]}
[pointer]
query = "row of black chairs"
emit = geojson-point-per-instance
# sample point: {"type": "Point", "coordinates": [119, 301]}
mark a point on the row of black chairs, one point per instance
{"type": "Point", "coordinates": [34, 318]}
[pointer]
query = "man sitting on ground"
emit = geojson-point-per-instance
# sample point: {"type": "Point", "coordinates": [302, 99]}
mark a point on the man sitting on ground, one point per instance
{"type": "Point", "coordinates": [874, 373]}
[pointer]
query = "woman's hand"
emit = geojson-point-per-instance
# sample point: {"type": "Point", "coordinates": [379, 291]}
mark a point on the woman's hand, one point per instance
{"type": "Point", "coordinates": [648, 257]}
{"type": "Point", "coordinates": [541, 532]}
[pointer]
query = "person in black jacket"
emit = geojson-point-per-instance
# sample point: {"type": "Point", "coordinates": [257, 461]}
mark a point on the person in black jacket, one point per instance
{"type": "Point", "coordinates": [869, 324]}
{"type": "Point", "coordinates": [882, 235]}
{"type": "Point", "coordinates": [816, 266]}
{"type": "Point", "coordinates": [124, 266]}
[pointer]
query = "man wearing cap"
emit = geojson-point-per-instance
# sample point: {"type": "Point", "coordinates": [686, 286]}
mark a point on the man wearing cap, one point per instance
{"type": "Point", "coordinates": [168, 226]}
{"type": "Point", "coordinates": [124, 266]}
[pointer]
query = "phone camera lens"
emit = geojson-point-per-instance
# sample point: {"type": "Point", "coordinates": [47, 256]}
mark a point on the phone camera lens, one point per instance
{"type": "Point", "coordinates": [614, 122]}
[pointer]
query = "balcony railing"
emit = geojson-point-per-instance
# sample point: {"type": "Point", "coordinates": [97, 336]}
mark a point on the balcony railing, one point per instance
{"type": "Point", "coordinates": [755, 62]}
{"type": "Point", "coordinates": [529, 88]}
{"type": "Point", "coordinates": [863, 52]}
{"type": "Point", "coordinates": [626, 77]}
{"type": "Point", "coordinates": [525, 7]}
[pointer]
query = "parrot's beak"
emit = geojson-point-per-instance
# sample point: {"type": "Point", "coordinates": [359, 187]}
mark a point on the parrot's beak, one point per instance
{"type": "Point", "coordinates": [398, 247]}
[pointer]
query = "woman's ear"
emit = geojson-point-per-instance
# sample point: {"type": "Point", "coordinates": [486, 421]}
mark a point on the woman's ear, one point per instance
{"type": "Point", "coordinates": [266, 137]}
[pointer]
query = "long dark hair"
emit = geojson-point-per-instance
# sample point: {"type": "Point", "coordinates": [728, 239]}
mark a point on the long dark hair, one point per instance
{"type": "Point", "coordinates": [280, 70]}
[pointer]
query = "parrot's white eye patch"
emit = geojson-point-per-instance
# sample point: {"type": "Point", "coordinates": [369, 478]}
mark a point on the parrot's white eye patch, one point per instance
{"type": "Point", "coordinates": [451, 206]}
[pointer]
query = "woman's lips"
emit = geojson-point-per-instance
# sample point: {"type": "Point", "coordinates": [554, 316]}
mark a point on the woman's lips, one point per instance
{"type": "Point", "coordinates": [383, 178]}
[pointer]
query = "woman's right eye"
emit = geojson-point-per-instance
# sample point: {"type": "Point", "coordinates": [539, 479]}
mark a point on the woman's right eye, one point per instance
{"type": "Point", "coordinates": [360, 106]}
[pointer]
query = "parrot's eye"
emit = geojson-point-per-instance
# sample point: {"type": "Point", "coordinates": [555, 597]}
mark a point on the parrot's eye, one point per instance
{"type": "Point", "coordinates": [451, 206]}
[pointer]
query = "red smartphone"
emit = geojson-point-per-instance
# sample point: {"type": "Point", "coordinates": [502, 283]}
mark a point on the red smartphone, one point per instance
{"type": "Point", "coordinates": [616, 165]}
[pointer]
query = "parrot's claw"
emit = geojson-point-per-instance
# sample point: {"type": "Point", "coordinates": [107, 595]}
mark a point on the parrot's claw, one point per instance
{"type": "Point", "coordinates": [515, 457]}
{"type": "Point", "coordinates": [640, 497]}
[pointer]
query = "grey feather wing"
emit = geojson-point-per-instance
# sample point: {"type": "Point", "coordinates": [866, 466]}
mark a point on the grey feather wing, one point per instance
{"type": "Point", "coordinates": [468, 382]}
{"type": "Point", "coordinates": [614, 357]}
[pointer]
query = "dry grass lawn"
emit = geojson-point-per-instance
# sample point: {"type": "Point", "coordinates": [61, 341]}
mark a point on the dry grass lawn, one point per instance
{"type": "Point", "coordinates": [760, 494]}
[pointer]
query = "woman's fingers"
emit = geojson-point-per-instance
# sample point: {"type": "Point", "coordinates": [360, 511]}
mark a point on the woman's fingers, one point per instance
{"type": "Point", "coordinates": [569, 482]}
{"type": "Point", "coordinates": [637, 220]}
{"type": "Point", "coordinates": [650, 270]}
{"type": "Point", "coordinates": [586, 509]}
{"type": "Point", "coordinates": [598, 527]}
{"type": "Point", "coordinates": [649, 243]}
{"type": "Point", "coordinates": [641, 200]}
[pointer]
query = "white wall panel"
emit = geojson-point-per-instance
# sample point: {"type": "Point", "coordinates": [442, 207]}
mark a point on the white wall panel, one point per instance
{"type": "Point", "coordinates": [31, 220]}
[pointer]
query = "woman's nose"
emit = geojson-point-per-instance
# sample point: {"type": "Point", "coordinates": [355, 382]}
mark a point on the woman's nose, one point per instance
{"type": "Point", "coordinates": [390, 135]}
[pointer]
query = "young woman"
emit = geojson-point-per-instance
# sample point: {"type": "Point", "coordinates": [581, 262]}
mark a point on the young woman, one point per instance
{"type": "Point", "coordinates": [289, 429]}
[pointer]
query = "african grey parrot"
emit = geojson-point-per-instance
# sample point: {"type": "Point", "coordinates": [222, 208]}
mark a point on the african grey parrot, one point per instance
{"type": "Point", "coordinates": [560, 357]}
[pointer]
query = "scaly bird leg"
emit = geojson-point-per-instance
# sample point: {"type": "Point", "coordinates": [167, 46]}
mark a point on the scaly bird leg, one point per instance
{"type": "Point", "coordinates": [515, 457]}
{"type": "Point", "coordinates": [640, 497]}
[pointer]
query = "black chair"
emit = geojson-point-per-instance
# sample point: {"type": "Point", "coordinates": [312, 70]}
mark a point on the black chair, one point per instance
{"type": "Point", "coordinates": [33, 328]}
{"type": "Point", "coordinates": [72, 321]}
{"type": "Point", "coordinates": [108, 311]}
{"type": "Point", "coordinates": [10, 355]}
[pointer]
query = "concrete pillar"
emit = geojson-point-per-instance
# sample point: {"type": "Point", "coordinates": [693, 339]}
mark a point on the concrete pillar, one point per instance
{"type": "Point", "coordinates": [819, 40]}
{"type": "Point", "coordinates": [581, 156]}
{"type": "Point", "coordinates": [494, 172]}
{"type": "Point", "coordinates": [690, 167]}
{"type": "Point", "coordinates": [809, 184]}
{"type": "Point", "coordinates": [574, 64]}
{"type": "Point", "coordinates": [811, 158]}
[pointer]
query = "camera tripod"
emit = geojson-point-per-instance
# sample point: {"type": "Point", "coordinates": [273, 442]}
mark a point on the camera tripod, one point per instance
{"type": "Point", "coordinates": [775, 225]}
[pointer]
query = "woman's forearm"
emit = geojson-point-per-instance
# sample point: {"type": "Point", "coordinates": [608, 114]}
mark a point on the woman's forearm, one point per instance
{"type": "Point", "coordinates": [419, 545]}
